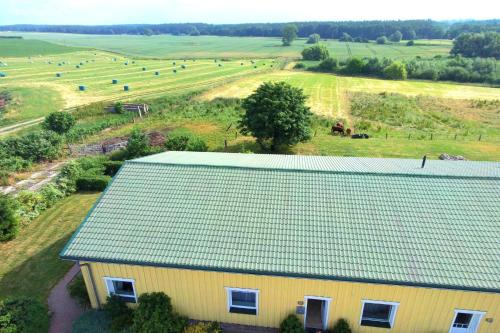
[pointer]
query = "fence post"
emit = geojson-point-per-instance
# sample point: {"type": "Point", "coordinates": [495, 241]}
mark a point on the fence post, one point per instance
{"type": "Point", "coordinates": [431, 136]}
{"type": "Point", "coordinates": [455, 137]}
{"type": "Point", "coordinates": [409, 136]}
{"type": "Point", "coordinates": [479, 137]}
{"type": "Point", "coordinates": [225, 143]}
{"type": "Point", "coordinates": [386, 135]}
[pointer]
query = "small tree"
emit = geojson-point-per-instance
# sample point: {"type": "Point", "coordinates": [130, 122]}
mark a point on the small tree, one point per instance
{"type": "Point", "coordinates": [396, 36]}
{"type": "Point", "coordinates": [155, 314]}
{"type": "Point", "coordinates": [341, 326]}
{"type": "Point", "coordinates": [276, 112]}
{"type": "Point", "coordinates": [9, 220]}
{"type": "Point", "coordinates": [346, 37]}
{"type": "Point", "coordinates": [289, 34]}
{"type": "Point", "coordinates": [410, 43]}
{"type": "Point", "coordinates": [382, 40]}
{"type": "Point", "coordinates": [291, 324]}
{"type": "Point", "coordinates": [23, 315]}
{"type": "Point", "coordinates": [329, 64]}
{"type": "Point", "coordinates": [313, 39]}
{"type": "Point", "coordinates": [315, 52]}
{"type": "Point", "coordinates": [138, 144]}
{"type": "Point", "coordinates": [59, 122]}
{"type": "Point", "coordinates": [354, 66]}
{"type": "Point", "coordinates": [395, 71]}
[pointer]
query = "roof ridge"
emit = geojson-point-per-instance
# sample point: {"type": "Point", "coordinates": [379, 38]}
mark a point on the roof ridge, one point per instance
{"type": "Point", "coordinates": [366, 173]}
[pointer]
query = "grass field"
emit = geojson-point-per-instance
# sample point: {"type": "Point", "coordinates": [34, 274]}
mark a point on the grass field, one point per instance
{"type": "Point", "coordinates": [23, 48]}
{"type": "Point", "coordinates": [175, 47]}
{"type": "Point", "coordinates": [30, 265]}
{"type": "Point", "coordinates": [98, 69]}
{"type": "Point", "coordinates": [327, 92]}
{"type": "Point", "coordinates": [30, 103]}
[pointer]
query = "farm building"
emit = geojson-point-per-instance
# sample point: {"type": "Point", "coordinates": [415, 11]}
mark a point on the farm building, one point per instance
{"type": "Point", "coordinates": [248, 239]}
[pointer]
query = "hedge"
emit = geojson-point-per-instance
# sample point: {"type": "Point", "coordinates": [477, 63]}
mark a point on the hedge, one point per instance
{"type": "Point", "coordinates": [92, 183]}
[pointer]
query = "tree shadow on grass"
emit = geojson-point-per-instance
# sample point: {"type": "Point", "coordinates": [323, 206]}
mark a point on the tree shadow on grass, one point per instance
{"type": "Point", "coordinates": [37, 274]}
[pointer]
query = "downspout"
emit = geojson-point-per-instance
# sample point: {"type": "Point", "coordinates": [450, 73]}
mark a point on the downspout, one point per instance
{"type": "Point", "coordinates": [92, 283]}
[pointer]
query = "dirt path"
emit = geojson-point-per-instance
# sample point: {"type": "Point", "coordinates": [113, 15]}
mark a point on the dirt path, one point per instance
{"type": "Point", "coordinates": [36, 180]}
{"type": "Point", "coordinates": [63, 308]}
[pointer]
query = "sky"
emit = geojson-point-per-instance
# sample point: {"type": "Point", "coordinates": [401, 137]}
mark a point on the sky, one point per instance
{"type": "Point", "coordinates": [92, 12]}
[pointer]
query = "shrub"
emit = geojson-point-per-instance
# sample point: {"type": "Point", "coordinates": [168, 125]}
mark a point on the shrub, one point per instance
{"type": "Point", "coordinates": [78, 291]}
{"type": "Point", "coordinates": [313, 39]}
{"type": "Point", "coordinates": [299, 65]}
{"type": "Point", "coordinates": [119, 155]}
{"type": "Point", "coordinates": [177, 143]}
{"type": "Point", "coordinates": [112, 167]}
{"type": "Point", "coordinates": [59, 122]}
{"type": "Point", "coordinates": [291, 324]}
{"type": "Point", "coordinates": [23, 315]}
{"type": "Point", "coordinates": [31, 204]}
{"type": "Point", "coordinates": [121, 315]}
{"type": "Point", "coordinates": [329, 64]}
{"type": "Point", "coordinates": [66, 180]}
{"type": "Point", "coordinates": [51, 194]}
{"type": "Point", "coordinates": [395, 71]}
{"type": "Point", "coordinates": [341, 326]}
{"type": "Point", "coordinates": [118, 107]}
{"type": "Point", "coordinates": [9, 220]}
{"type": "Point", "coordinates": [34, 146]}
{"type": "Point", "coordinates": [382, 40]}
{"type": "Point", "coordinates": [196, 144]}
{"type": "Point", "coordinates": [396, 36]}
{"type": "Point", "coordinates": [92, 322]}
{"type": "Point", "coordinates": [138, 144]}
{"type": "Point", "coordinates": [315, 52]}
{"type": "Point", "coordinates": [354, 66]}
{"type": "Point", "coordinates": [92, 183]}
{"type": "Point", "coordinates": [155, 314]}
{"type": "Point", "coordinates": [203, 327]}
{"type": "Point", "coordinates": [410, 43]}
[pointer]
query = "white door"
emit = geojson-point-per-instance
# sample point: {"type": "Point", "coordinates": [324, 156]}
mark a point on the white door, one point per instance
{"type": "Point", "coordinates": [466, 321]}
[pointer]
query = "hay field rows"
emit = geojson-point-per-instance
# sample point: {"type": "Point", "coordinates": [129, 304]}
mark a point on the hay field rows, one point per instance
{"type": "Point", "coordinates": [98, 69]}
{"type": "Point", "coordinates": [171, 47]}
{"type": "Point", "coordinates": [327, 92]}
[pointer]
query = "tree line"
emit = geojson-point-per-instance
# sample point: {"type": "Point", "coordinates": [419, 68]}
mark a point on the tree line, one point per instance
{"type": "Point", "coordinates": [410, 29]}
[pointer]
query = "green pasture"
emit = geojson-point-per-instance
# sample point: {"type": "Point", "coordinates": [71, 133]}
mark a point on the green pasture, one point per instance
{"type": "Point", "coordinates": [13, 47]}
{"type": "Point", "coordinates": [174, 47]}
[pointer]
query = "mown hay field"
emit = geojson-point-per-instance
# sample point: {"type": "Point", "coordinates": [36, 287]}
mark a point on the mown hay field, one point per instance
{"type": "Point", "coordinates": [168, 46]}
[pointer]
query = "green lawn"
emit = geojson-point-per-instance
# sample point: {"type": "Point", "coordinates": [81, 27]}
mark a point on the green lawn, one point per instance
{"type": "Point", "coordinates": [30, 103]}
{"type": "Point", "coordinates": [13, 47]}
{"type": "Point", "coordinates": [30, 265]}
{"type": "Point", "coordinates": [168, 46]}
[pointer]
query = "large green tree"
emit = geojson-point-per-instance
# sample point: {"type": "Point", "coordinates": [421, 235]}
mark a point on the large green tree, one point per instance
{"type": "Point", "coordinates": [276, 113]}
{"type": "Point", "coordinates": [289, 33]}
{"type": "Point", "coordinates": [477, 45]}
{"type": "Point", "coordinates": [59, 122]}
{"type": "Point", "coordinates": [315, 52]}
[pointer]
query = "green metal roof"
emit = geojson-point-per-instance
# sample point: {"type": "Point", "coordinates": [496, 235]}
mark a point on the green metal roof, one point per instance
{"type": "Point", "coordinates": [355, 219]}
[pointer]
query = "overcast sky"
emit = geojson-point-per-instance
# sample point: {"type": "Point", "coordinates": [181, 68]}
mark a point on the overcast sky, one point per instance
{"type": "Point", "coordinates": [237, 11]}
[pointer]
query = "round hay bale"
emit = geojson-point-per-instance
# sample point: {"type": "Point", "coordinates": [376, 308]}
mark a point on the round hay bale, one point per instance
{"type": "Point", "coordinates": [77, 66]}
{"type": "Point", "coordinates": [157, 73]}
{"type": "Point", "coordinates": [3, 75]}
{"type": "Point", "coordinates": [114, 81]}
{"type": "Point", "coordinates": [126, 87]}
{"type": "Point", "coordinates": [241, 64]}
{"type": "Point", "coordinates": [126, 64]}
{"type": "Point", "coordinates": [58, 74]}
{"type": "Point", "coordinates": [220, 65]}
{"type": "Point", "coordinates": [183, 66]}
{"type": "Point", "coordinates": [82, 88]}
{"type": "Point", "coordinates": [175, 70]}
{"type": "Point", "coordinates": [133, 61]}
{"type": "Point", "coordinates": [144, 68]}
{"type": "Point", "coordinates": [173, 63]}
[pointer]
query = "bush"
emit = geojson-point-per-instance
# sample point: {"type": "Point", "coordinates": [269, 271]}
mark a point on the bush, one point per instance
{"type": "Point", "coordinates": [329, 64]}
{"type": "Point", "coordinates": [354, 66]}
{"type": "Point", "coordinates": [121, 315]}
{"type": "Point", "coordinates": [51, 194]}
{"type": "Point", "coordinates": [155, 314]}
{"type": "Point", "coordinates": [203, 327]}
{"type": "Point", "coordinates": [291, 324]}
{"type": "Point", "coordinates": [23, 315]}
{"type": "Point", "coordinates": [92, 322]}
{"type": "Point", "coordinates": [59, 122]}
{"type": "Point", "coordinates": [313, 39]}
{"type": "Point", "coordinates": [315, 52]}
{"type": "Point", "coordinates": [30, 205]}
{"type": "Point", "coordinates": [92, 183]}
{"type": "Point", "coordinates": [396, 36]}
{"type": "Point", "coordinates": [34, 146]}
{"type": "Point", "coordinates": [196, 144]}
{"type": "Point", "coordinates": [112, 167]}
{"type": "Point", "coordinates": [382, 40]}
{"type": "Point", "coordinates": [78, 291]}
{"type": "Point", "coordinates": [66, 180]}
{"type": "Point", "coordinates": [9, 220]}
{"type": "Point", "coordinates": [395, 71]}
{"type": "Point", "coordinates": [138, 144]}
{"type": "Point", "coordinates": [341, 326]}
{"type": "Point", "coordinates": [185, 143]}
{"type": "Point", "coordinates": [299, 65]}
{"type": "Point", "coordinates": [410, 43]}
{"type": "Point", "coordinates": [118, 107]}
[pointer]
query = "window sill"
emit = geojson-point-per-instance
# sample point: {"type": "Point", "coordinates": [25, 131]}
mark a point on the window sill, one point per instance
{"type": "Point", "coordinates": [375, 323]}
{"type": "Point", "coordinates": [243, 311]}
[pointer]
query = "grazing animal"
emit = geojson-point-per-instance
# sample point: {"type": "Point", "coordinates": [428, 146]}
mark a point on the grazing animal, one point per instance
{"type": "Point", "coordinates": [338, 128]}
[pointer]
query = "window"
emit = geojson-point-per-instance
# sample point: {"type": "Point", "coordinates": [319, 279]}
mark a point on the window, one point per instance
{"type": "Point", "coordinates": [378, 314]}
{"type": "Point", "coordinates": [466, 321]}
{"type": "Point", "coordinates": [124, 288]}
{"type": "Point", "coordinates": [462, 320]}
{"type": "Point", "coordinates": [242, 300]}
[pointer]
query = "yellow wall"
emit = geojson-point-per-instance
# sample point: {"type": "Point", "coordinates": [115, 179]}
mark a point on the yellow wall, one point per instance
{"type": "Point", "coordinates": [202, 295]}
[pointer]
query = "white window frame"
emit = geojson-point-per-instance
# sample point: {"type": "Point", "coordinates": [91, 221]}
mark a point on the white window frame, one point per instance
{"type": "Point", "coordinates": [472, 312]}
{"type": "Point", "coordinates": [326, 315]}
{"type": "Point", "coordinates": [394, 310]}
{"type": "Point", "coordinates": [230, 305]}
{"type": "Point", "coordinates": [108, 281]}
